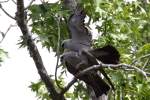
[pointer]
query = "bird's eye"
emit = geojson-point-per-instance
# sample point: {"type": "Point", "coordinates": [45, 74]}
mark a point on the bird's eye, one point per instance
{"type": "Point", "coordinates": [62, 45]}
{"type": "Point", "coordinates": [61, 58]}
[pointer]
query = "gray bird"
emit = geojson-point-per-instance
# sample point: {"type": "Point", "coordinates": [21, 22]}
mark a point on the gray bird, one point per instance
{"type": "Point", "coordinates": [79, 33]}
{"type": "Point", "coordinates": [76, 62]}
{"type": "Point", "coordinates": [80, 55]}
{"type": "Point", "coordinates": [74, 45]}
{"type": "Point", "coordinates": [81, 39]}
{"type": "Point", "coordinates": [107, 54]}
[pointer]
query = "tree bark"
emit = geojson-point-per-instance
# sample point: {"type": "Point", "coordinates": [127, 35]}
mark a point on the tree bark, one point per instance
{"type": "Point", "coordinates": [34, 53]}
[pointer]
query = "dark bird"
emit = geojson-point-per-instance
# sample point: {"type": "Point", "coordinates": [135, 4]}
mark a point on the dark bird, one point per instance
{"type": "Point", "coordinates": [107, 54]}
{"type": "Point", "coordinates": [81, 56]}
{"type": "Point", "coordinates": [75, 63]}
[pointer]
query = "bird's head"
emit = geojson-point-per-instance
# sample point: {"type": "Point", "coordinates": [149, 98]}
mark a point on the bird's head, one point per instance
{"type": "Point", "coordinates": [66, 44]}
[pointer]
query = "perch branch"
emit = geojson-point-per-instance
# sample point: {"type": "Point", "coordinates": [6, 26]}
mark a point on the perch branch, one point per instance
{"type": "Point", "coordinates": [97, 67]}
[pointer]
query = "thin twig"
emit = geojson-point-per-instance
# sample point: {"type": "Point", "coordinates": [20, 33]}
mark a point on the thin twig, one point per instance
{"type": "Point", "coordinates": [105, 27]}
{"type": "Point", "coordinates": [4, 34]}
{"type": "Point", "coordinates": [66, 88]}
{"type": "Point", "coordinates": [42, 1]}
{"type": "Point", "coordinates": [139, 70]}
{"type": "Point", "coordinates": [7, 13]}
{"type": "Point", "coordinates": [4, 1]}
{"type": "Point", "coordinates": [58, 53]}
{"type": "Point", "coordinates": [146, 63]}
{"type": "Point", "coordinates": [29, 4]}
{"type": "Point", "coordinates": [14, 1]}
{"type": "Point", "coordinates": [148, 74]}
{"type": "Point", "coordinates": [145, 56]}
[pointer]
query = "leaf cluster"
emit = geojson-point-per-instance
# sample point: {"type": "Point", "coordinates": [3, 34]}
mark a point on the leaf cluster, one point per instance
{"type": "Point", "coordinates": [47, 20]}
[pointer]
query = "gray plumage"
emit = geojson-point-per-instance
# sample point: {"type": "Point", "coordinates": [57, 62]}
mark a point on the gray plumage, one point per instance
{"type": "Point", "coordinates": [107, 54]}
{"type": "Point", "coordinates": [77, 62]}
{"type": "Point", "coordinates": [81, 56]}
{"type": "Point", "coordinates": [79, 33]}
{"type": "Point", "coordinates": [74, 45]}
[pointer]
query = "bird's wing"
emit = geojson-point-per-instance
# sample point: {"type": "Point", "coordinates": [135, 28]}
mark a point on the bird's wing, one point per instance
{"type": "Point", "coordinates": [77, 28]}
{"type": "Point", "coordinates": [107, 54]}
{"type": "Point", "coordinates": [71, 60]}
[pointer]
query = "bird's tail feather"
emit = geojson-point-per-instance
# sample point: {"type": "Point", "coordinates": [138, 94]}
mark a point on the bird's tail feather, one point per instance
{"type": "Point", "coordinates": [97, 84]}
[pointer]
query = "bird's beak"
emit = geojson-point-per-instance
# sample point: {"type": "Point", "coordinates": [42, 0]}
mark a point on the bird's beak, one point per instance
{"type": "Point", "coordinates": [66, 50]}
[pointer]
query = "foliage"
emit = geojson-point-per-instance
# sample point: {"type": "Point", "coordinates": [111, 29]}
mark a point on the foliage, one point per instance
{"type": "Point", "coordinates": [3, 54]}
{"type": "Point", "coordinates": [122, 24]}
{"type": "Point", "coordinates": [46, 21]}
{"type": "Point", "coordinates": [40, 90]}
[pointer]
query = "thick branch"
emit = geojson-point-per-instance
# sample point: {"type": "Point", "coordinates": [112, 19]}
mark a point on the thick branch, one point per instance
{"type": "Point", "coordinates": [34, 53]}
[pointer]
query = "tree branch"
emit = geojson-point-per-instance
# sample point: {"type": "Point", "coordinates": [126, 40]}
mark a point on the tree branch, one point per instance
{"type": "Point", "coordinates": [146, 63]}
{"type": "Point", "coordinates": [14, 2]}
{"type": "Point", "coordinates": [4, 34]}
{"type": "Point", "coordinates": [97, 67]}
{"type": "Point", "coordinates": [6, 12]}
{"type": "Point", "coordinates": [29, 4]}
{"type": "Point", "coordinates": [66, 88]}
{"type": "Point", "coordinates": [34, 53]}
{"type": "Point", "coordinates": [4, 1]}
{"type": "Point", "coordinates": [58, 53]}
{"type": "Point", "coordinates": [145, 56]}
